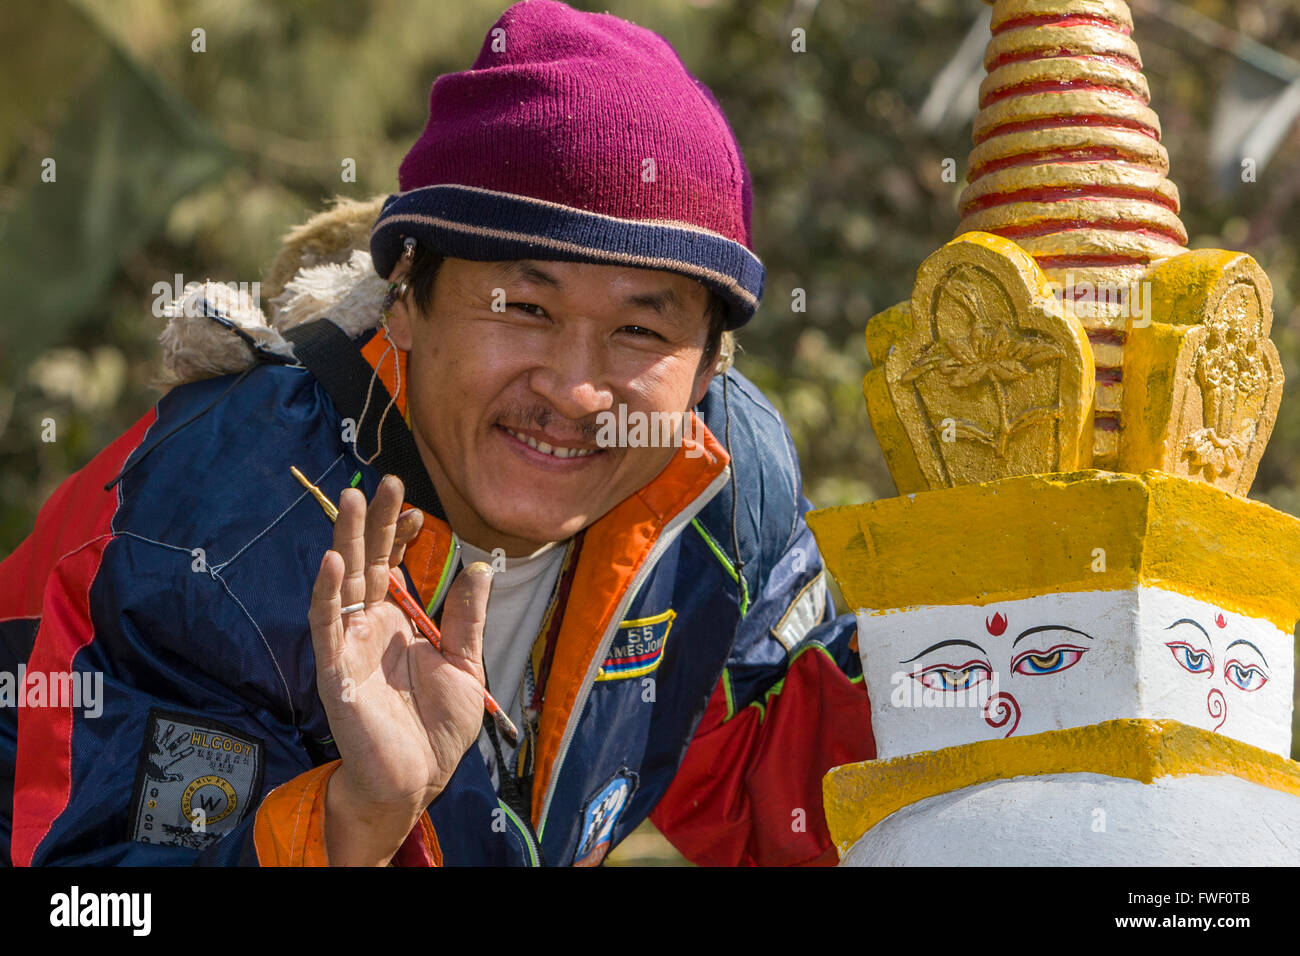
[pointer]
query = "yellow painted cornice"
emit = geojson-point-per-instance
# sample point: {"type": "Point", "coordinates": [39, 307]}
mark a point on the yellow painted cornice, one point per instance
{"type": "Point", "coordinates": [858, 796]}
{"type": "Point", "coordinates": [1042, 534]}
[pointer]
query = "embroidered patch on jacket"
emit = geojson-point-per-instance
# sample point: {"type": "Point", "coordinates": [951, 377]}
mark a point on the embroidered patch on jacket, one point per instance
{"type": "Point", "coordinates": [197, 780]}
{"type": "Point", "coordinates": [600, 815]}
{"type": "Point", "coordinates": [638, 647]}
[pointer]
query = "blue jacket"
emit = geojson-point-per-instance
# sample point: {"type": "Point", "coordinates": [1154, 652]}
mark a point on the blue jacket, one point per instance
{"type": "Point", "coordinates": [186, 586]}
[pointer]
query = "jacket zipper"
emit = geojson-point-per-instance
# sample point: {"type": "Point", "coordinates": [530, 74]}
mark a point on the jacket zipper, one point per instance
{"type": "Point", "coordinates": [530, 838]}
{"type": "Point", "coordinates": [671, 532]}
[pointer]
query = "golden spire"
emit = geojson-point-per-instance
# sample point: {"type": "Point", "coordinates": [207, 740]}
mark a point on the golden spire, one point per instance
{"type": "Point", "coordinates": [1067, 326]}
{"type": "Point", "coordinates": [1068, 163]}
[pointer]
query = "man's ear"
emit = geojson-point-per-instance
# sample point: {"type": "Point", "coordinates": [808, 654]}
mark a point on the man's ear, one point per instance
{"type": "Point", "coordinates": [399, 325]}
{"type": "Point", "coordinates": [400, 315]}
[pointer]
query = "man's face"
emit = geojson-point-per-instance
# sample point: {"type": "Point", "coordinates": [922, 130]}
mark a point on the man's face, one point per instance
{"type": "Point", "coordinates": [565, 342]}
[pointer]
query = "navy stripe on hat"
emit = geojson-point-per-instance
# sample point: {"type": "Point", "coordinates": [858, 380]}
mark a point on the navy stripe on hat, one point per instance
{"type": "Point", "coordinates": [466, 222]}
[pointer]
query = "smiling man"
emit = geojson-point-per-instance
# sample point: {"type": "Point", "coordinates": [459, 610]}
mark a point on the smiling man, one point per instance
{"type": "Point", "coordinates": [508, 430]}
{"type": "Point", "coordinates": [571, 240]}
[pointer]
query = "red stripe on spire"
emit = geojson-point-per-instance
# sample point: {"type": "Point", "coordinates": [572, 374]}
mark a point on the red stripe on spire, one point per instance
{"type": "Point", "coordinates": [1041, 157]}
{"type": "Point", "coordinates": [1051, 227]}
{"type": "Point", "coordinates": [1046, 194]}
{"type": "Point", "coordinates": [1055, 122]}
{"type": "Point", "coordinates": [1053, 53]}
{"type": "Point", "coordinates": [1055, 86]}
{"type": "Point", "coordinates": [1061, 20]}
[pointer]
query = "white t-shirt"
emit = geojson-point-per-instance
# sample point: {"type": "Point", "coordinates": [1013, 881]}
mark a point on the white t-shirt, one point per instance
{"type": "Point", "coordinates": [516, 605]}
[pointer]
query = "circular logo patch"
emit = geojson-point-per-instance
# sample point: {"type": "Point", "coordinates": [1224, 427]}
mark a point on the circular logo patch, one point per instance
{"type": "Point", "coordinates": [211, 794]}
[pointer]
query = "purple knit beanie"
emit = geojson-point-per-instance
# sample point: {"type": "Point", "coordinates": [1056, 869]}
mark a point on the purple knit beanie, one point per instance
{"type": "Point", "coordinates": [578, 137]}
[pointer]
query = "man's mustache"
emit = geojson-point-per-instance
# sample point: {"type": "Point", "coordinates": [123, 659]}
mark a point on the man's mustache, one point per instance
{"type": "Point", "coordinates": [541, 417]}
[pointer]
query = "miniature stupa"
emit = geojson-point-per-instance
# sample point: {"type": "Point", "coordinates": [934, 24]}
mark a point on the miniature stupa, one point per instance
{"type": "Point", "coordinates": [1068, 665]}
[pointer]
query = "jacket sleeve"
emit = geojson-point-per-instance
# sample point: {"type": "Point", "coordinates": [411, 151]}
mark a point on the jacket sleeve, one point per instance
{"type": "Point", "coordinates": [289, 829]}
{"type": "Point", "coordinates": [155, 726]}
{"type": "Point", "coordinates": [789, 706]}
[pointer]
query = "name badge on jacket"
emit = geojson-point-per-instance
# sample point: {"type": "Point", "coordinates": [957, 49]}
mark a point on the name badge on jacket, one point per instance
{"type": "Point", "coordinates": [638, 647]}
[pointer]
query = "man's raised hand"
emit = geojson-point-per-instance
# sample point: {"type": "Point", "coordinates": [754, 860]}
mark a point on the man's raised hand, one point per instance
{"type": "Point", "coordinates": [401, 712]}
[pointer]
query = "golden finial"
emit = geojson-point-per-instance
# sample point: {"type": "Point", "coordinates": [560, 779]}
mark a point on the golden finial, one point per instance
{"type": "Point", "coordinates": [1067, 161]}
{"type": "Point", "coordinates": [1070, 233]}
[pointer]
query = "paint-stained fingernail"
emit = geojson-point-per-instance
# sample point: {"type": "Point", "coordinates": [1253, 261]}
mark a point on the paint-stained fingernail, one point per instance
{"type": "Point", "coordinates": [409, 522]}
{"type": "Point", "coordinates": [480, 567]}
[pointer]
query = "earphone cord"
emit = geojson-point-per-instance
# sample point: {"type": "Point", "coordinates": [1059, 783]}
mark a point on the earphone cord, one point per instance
{"type": "Point", "coordinates": [370, 388]}
{"type": "Point", "coordinates": [735, 540]}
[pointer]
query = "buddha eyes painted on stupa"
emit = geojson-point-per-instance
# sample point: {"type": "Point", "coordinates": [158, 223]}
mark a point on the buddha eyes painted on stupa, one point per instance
{"type": "Point", "coordinates": [1193, 650]}
{"type": "Point", "coordinates": [1049, 649]}
{"type": "Point", "coordinates": [1043, 657]}
{"type": "Point", "coordinates": [1052, 661]}
{"type": "Point", "coordinates": [1244, 668]}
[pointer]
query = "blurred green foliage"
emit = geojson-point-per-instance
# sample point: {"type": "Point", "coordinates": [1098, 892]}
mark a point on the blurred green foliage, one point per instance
{"type": "Point", "coordinates": [176, 161]}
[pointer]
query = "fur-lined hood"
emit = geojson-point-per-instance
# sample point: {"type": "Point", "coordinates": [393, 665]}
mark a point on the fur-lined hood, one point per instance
{"type": "Point", "coordinates": [323, 268]}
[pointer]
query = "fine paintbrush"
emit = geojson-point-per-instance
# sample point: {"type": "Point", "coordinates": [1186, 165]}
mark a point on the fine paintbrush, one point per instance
{"type": "Point", "coordinates": [397, 590]}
